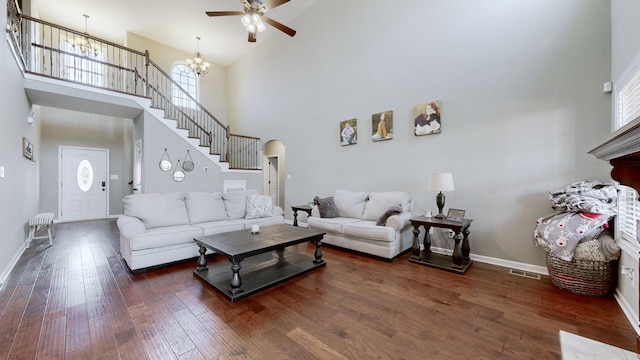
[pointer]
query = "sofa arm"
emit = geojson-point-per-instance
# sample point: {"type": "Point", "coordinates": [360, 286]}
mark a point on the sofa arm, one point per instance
{"type": "Point", "coordinates": [130, 225]}
{"type": "Point", "coordinates": [399, 221]}
{"type": "Point", "coordinates": [277, 210]}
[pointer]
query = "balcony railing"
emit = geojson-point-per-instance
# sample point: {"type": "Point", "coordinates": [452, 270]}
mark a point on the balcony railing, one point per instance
{"type": "Point", "coordinates": [54, 51]}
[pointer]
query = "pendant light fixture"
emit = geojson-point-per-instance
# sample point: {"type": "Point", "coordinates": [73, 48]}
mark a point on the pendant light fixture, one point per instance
{"type": "Point", "coordinates": [81, 42]}
{"type": "Point", "coordinates": [197, 64]}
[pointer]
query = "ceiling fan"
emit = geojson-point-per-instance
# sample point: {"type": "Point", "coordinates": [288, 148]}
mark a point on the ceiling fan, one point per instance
{"type": "Point", "coordinates": [253, 17]}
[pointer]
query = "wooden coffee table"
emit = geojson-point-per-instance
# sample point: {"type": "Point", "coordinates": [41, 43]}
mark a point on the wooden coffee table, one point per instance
{"type": "Point", "coordinates": [265, 260]}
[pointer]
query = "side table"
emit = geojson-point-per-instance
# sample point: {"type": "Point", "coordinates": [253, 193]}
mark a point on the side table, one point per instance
{"type": "Point", "coordinates": [460, 260]}
{"type": "Point", "coordinates": [296, 208]}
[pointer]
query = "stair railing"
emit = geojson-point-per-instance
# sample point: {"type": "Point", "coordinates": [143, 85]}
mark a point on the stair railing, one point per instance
{"type": "Point", "coordinates": [49, 50]}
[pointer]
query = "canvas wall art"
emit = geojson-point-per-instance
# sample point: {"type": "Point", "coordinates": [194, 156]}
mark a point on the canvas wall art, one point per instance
{"type": "Point", "coordinates": [349, 132]}
{"type": "Point", "coordinates": [427, 119]}
{"type": "Point", "coordinates": [382, 126]}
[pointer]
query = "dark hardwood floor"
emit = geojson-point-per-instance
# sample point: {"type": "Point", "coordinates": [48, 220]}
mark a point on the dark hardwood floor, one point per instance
{"type": "Point", "coordinates": [77, 300]}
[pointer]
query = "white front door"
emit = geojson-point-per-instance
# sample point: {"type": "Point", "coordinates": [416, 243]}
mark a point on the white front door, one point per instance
{"type": "Point", "coordinates": [83, 182]}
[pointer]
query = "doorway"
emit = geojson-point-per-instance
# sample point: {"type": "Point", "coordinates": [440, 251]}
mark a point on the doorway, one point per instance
{"type": "Point", "coordinates": [82, 183]}
{"type": "Point", "coordinates": [271, 177]}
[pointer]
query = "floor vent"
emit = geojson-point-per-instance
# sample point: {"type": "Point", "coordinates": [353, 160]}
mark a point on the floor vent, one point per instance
{"type": "Point", "coordinates": [524, 274]}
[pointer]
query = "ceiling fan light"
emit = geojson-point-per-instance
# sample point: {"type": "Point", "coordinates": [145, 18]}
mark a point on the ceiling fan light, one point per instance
{"type": "Point", "coordinates": [256, 18]}
{"type": "Point", "coordinates": [261, 27]}
{"type": "Point", "coordinates": [251, 28]}
{"type": "Point", "coordinates": [245, 19]}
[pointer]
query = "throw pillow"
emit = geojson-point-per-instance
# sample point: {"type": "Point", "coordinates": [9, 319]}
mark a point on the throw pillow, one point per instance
{"type": "Point", "coordinates": [394, 210]}
{"type": "Point", "coordinates": [327, 207]}
{"type": "Point", "coordinates": [259, 206]}
{"type": "Point", "coordinates": [380, 201]}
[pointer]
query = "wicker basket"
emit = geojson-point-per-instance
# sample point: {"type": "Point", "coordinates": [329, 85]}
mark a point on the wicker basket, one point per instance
{"type": "Point", "coordinates": [583, 277]}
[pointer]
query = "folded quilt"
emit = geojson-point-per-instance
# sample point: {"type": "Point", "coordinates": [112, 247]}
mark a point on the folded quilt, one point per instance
{"type": "Point", "coordinates": [585, 196]}
{"type": "Point", "coordinates": [560, 233]}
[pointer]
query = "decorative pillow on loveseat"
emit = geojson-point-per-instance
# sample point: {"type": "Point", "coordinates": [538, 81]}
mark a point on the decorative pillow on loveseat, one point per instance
{"type": "Point", "coordinates": [259, 206]}
{"type": "Point", "coordinates": [326, 207]}
{"type": "Point", "coordinates": [205, 207]}
{"type": "Point", "coordinates": [157, 210]}
{"type": "Point", "coordinates": [394, 210]}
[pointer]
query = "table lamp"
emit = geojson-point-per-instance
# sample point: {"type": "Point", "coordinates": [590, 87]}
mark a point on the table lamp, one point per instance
{"type": "Point", "coordinates": [440, 182]}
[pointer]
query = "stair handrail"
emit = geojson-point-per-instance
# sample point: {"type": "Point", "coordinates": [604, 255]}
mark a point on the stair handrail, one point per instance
{"type": "Point", "coordinates": [201, 123]}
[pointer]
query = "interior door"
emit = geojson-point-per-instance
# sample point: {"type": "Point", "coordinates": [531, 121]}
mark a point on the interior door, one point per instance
{"type": "Point", "coordinates": [137, 167]}
{"type": "Point", "coordinates": [83, 183]}
{"type": "Point", "coordinates": [272, 180]}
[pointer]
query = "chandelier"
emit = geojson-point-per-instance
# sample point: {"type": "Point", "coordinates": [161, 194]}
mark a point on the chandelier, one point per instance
{"type": "Point", "coordinates": [83, 43]}
{"type": "Point", "coordinates": [253, 22]}
{"type": "Point", "coordinates": [198, 65]}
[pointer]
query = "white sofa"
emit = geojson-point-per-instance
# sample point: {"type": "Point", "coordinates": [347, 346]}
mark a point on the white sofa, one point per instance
{"type": "Point", "coordinates": [158, 229]}
{"type": "Point", "coordinates": [355, 228]}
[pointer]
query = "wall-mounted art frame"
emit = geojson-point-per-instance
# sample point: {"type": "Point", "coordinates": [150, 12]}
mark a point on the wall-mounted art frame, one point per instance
{"type": "Point", "coordinates": [349, 132]}
{"type": "Point", "coordinates": [382, 126]}
{"type": "Point", "coordinates": [27, 149]}
{"type": "Point", "coordinates": [427, 118]}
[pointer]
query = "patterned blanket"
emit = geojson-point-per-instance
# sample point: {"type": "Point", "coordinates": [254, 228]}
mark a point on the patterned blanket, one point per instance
{"type": "Point", "coordinates": [583, 211]}
{"type": "Point", "coordinates": [586, 196]}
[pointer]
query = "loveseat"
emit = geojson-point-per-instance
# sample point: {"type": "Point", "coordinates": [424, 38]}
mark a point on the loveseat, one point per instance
{"type": "Point", "coordinates": [375, 223]}
{"type": "Point", "coordinates": [158, 229]}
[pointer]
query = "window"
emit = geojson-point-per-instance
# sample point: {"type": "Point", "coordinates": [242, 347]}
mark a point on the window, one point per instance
{"type": "Point", "coordinates": [188, 90]}
{"type": "Point", "coordinates": [628, 213]}
{"type": "Point", "coordinates": [84, 175]}
{"type": "Point", "coordinates": [627, 95]}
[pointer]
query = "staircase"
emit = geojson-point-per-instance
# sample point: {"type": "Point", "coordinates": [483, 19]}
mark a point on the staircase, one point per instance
{"type": "Point", "coordinates": [55, 52]}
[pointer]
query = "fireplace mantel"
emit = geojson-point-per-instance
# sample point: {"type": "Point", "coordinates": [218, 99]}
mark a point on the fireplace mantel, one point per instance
{"type": "Point", "coordinates": [622, 150]}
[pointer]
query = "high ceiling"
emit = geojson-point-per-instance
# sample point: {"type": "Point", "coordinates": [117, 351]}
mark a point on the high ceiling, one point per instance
{"type": "Point", "coordinates": [170, 22]}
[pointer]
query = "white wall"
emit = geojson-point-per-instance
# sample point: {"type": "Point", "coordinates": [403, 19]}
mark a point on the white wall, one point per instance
{"type": "Point", "coordinates": [19, 189]}
{"type": "Point", "coordinates": [625, 29]}
{"type": "Point", "coordinates": [521, 91]}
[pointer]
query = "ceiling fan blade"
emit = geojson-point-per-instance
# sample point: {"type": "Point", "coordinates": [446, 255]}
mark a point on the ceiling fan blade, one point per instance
{"type": "Point", "coordinates": [224, 13]}
{"type": "Point", "coordinates": [252, 37]}
{"type": "Point", "coordinates": [270, 4]}
{"type": "Point", "coordinates": [285, 29]}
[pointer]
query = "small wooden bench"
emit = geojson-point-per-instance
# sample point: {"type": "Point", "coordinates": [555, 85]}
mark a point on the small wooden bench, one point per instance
{"type": "Point", "coordinates": [41, 221]}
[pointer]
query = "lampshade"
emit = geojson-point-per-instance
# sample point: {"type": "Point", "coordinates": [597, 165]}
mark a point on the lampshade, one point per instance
{"type": "Point", "coordinates": [440, 182]}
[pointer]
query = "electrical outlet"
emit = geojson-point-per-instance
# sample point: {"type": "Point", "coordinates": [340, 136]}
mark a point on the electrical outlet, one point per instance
{"type": "Point", "coordinates": [451, 233]}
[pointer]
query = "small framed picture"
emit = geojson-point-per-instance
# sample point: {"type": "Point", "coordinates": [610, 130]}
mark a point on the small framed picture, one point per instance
{"type": "Point", "coordinates": [27, 149]}
{"type": "Point", "coordinates": [455, 215]}
{"type": "Point", "coordinates": [349, 132]}
{"type": "Point", "coordinates": [382, 125]}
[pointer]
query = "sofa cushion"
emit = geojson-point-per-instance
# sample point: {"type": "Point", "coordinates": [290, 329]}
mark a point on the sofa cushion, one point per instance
{"type": "Point", "coordinates": [351, 203]}
{"type": "Point", "coordinates": [218, 227]}
{"type": "Point", "coordinates": [259, 206]}
{"type": "Point", "coordinates": [394, 210]}
{"type": "Point", "coordinates": [165, 236]}
{"type": "Point", "coordinates": [368, 230]}
{"type": "Point", "coordinates": [329, 225]}
{"type": "Point", "coordinates": [379, 202]}
{"type": "Point", "coordinates": [326, 207]}
{"type": "Point", "coordinates": [157, 210]}
{"type": "Point", "coordinates": [204, 207]}
{"type": "Point", "coordinates": [236, 203]}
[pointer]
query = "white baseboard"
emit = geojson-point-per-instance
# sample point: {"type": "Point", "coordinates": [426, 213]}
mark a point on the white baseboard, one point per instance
{"type": "Point", "coordinates": [627, 309]}
{"type": "Point", "coordinates": [7, 270]}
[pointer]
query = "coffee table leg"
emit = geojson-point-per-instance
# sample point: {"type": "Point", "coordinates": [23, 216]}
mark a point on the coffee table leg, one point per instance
{"type": "Point", "coordinates": [318, 253]}
{"type": "Point", "coordinates": [236, 282]}
{"type": "Point", "coordinates": [202, 260]}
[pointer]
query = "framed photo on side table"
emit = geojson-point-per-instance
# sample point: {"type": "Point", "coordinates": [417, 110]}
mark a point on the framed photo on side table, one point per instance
{"type": "Point", "coordinates": [455, 215]}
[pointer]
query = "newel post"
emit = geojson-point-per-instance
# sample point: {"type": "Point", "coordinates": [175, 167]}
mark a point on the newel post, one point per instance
{"type": "Point", "coordinates": [146, 73]}
{"type": "Point", "coordinates": [228, 144]}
